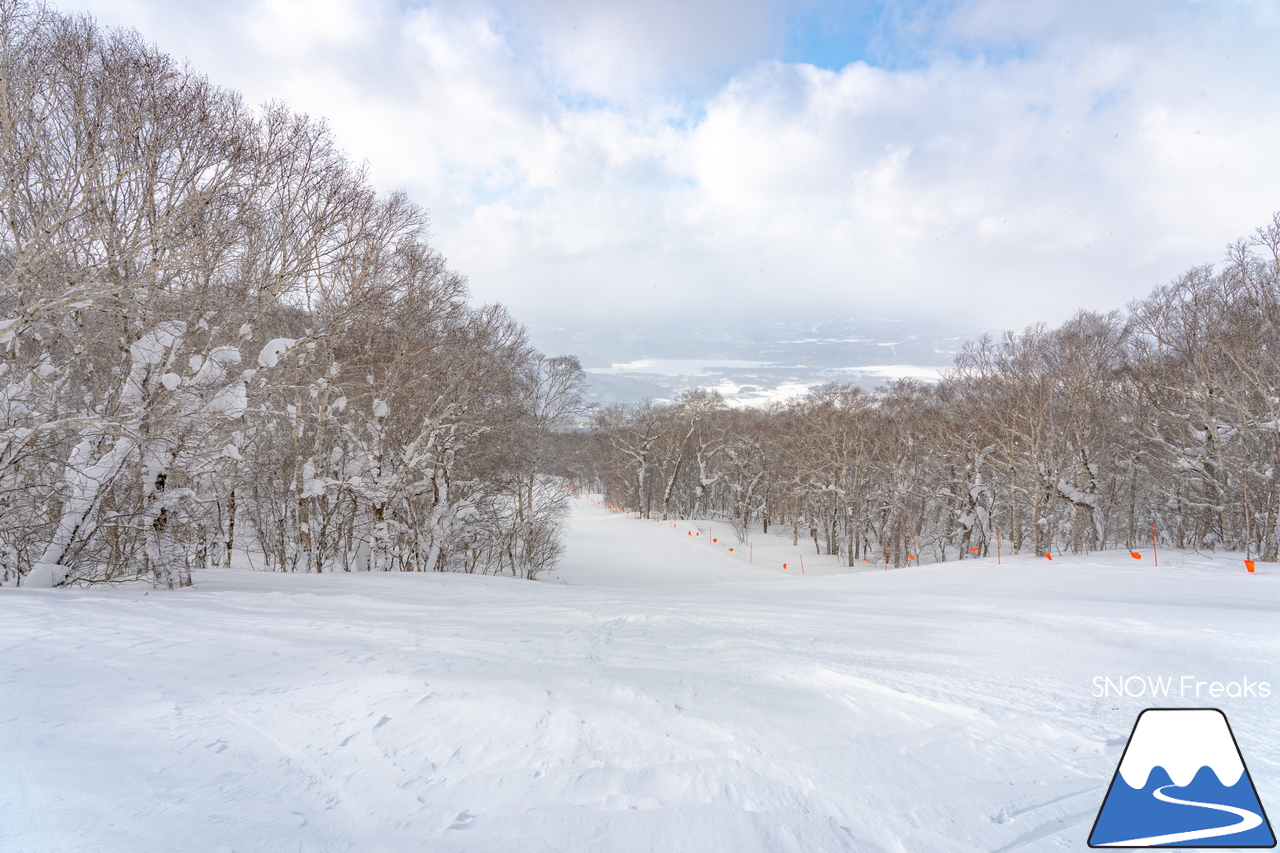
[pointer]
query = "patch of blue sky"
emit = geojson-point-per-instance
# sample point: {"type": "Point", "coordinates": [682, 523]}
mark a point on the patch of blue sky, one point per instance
{"type": "Point", "coordinates": [993, 53]}
{"type": "Point", "coordinates": [578, 101]}
{"type": "Point", "coordinates": [499, 184]}
{"type": "Point", "coordinates": [489, 192]}
{"type": "Point", "coordinates": [683, 108]}
{"type": "Point", "coordinates": [833, 35]}
{"type": "Point", "coordinates": [893, 34]}
{"type": "Point", "coordinates": [1103, 100]}
{"type": "Point", "coordinates": [692, 112]}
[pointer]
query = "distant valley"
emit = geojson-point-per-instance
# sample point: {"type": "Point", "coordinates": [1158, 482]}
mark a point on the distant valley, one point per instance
{"type": "Point", "coordinates": [749, 365]}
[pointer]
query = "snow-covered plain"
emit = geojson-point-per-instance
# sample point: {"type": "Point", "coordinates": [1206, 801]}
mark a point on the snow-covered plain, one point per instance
{"type": "Point", "coordinates": [654, 693]}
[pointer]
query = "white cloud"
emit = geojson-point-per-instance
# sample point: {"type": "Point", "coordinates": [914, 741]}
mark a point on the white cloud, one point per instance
{"type": "Point", "coordinates": [639, 52]}
{"type": "Point", "coordinates": [277, 26]}
{"type": "Point", "coordinates": [1025, 159]}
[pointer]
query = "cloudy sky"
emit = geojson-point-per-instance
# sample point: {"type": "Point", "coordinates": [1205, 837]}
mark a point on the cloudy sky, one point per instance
{"type": "Point", "coordinates": [993, 162]}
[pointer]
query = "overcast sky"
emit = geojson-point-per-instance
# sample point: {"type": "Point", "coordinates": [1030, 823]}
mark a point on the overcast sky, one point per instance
{"type": "Point", "coordinates": [994, 162]}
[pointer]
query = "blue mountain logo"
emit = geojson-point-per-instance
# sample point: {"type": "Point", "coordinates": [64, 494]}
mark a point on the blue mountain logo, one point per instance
{"type": "Point", "coordinates": [1182, 783]}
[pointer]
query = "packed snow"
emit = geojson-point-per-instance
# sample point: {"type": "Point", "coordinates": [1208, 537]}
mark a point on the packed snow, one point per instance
{"type": "Point", "coordinates": [654, 692]}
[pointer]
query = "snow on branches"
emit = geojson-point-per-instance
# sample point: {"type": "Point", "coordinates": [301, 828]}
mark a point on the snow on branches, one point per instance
{"type": "Point", "coordinates": [381, 426]}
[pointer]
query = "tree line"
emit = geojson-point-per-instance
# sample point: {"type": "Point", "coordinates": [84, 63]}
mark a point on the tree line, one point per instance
{"type": "Point", "coordinates": [1163, 420]}
{"type": "Point", "coordinates": [216, 338]}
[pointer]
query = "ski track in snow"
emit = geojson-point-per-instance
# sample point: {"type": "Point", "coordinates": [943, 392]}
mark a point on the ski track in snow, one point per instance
{"type": "Point", "coordinates": [655, 693]}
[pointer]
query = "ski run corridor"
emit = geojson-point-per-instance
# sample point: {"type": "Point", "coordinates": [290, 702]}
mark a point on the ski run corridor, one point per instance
{"type": "Point", "coordinates": [655, 692]}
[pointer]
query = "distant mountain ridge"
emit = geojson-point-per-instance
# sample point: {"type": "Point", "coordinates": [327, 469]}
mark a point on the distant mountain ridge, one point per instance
{"type": "Point", "coordinates": [820, 342]}
{"type": "Point", "coordinates": [758, 362]}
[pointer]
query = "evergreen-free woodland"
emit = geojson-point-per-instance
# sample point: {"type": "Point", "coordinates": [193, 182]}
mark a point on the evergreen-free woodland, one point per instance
{"type": "Point", "coordinates": [1162, 420]}
{"type": "Point", "coordinates": [216, 336]}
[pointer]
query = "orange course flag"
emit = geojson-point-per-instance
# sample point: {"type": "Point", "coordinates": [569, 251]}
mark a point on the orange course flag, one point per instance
{"type": "Point", "coordinates": [1135, 555]}
{"type": "Point", "coordinates": [975, 547]}
{"type": "Point", "coordinates": [730, 549]}
{"type": "Point", "coordinates": [1248, 564]}
{"type": "Point", "coordinates": [1048, 556]}
{"type": "Point", "coordinates": [784, 565]}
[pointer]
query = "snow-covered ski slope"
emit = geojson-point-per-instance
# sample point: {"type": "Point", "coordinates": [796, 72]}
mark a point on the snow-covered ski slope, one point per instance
{"type": "Point", "coordinates": [661, 696]}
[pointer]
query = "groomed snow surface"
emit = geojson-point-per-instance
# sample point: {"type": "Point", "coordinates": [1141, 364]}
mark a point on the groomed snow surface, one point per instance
{"type": "Point", "coordinates": [655, 693]}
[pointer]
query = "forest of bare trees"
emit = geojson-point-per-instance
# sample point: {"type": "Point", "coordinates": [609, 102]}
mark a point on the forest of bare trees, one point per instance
{"type": "Point", "coordinates": [216, 337]}
{"type": "Point", "coordinates": [1112, 428]}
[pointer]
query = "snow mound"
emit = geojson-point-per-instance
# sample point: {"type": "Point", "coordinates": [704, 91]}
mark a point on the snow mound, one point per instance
{"type": "Point", "coordinates": [44, 576]}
